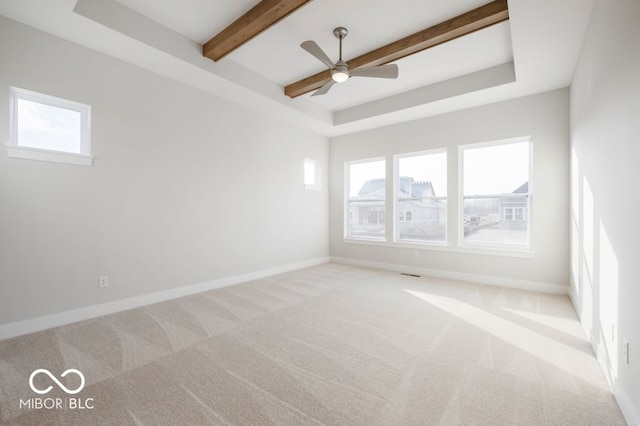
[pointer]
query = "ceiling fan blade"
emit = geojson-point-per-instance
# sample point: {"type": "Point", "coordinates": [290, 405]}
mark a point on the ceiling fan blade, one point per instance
{"type": "Point", "coordinates": [324, 89]}
{"type": "Point", "coordinates": [313, 48]}
{"type": "Point", "coordinates": [382, 71]}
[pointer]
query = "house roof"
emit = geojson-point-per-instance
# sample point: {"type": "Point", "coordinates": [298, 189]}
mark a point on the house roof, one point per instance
{"type": "Point", "coordinates": [522, 189]}
{"type": "Point", "coordinates": [422, 189]}
{"type": "Point", "coordinates": [372, 186]}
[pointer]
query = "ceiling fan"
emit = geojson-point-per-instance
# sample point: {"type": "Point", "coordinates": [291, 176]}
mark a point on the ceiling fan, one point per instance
{"type": "Point", "coordinates": [340, 71]}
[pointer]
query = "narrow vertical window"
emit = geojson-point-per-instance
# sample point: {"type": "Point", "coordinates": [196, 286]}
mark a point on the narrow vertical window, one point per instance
{"type": "Point", "coordinates": [421, 197]}
{"type": "Point", "coordinates": [496, 194]}
{"type": "Point", "coordinates": [366, 199]}
{"type": "Point", "coordinates": [311, 174]}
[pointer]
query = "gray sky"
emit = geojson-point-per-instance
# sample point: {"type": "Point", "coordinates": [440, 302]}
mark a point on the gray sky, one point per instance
{"type": "Point", "coordinates": [496, 169]}
{"type": "Point", "coordinates": [48, 127]}
{"type": "Point", "coordinates": [492, 169]}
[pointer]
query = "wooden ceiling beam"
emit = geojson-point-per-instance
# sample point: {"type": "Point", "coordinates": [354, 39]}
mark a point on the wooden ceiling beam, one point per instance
{"type": "Point", "coordinates": [256, 20]}
{"type": "Point", "coordinates": [476, 19]}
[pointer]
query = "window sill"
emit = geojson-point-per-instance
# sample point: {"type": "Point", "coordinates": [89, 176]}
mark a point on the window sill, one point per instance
{"type": "Point", "coordinates": [51, 156]}
{"type": "Point", "coordinates": [443, 247]}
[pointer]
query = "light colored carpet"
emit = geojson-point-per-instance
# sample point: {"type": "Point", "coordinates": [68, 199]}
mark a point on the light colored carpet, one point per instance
{"type": "Point", "coordinates": [331, 344]}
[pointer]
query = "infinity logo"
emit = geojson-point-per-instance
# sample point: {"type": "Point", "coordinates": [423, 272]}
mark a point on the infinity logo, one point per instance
{"type": "Point", "coordinates": [60, 385]}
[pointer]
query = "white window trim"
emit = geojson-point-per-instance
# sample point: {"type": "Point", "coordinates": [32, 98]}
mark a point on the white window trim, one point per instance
{"type": "Point", "coordinates": [16, 151]}
{"type": "Point", "coordinates": [50, 156]}
{"type": "Point", "coordinates": [450, 245]}
{"type": "Point", "coordinates": [317, 186]}
{"type": "Point", "coordinates": [502, 251]}
{"type": "Point", "coordinates": [477, 246]}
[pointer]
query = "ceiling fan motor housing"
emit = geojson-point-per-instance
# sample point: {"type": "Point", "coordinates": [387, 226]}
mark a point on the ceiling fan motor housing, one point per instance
{"type": "Point", "coordinates": [340, 72]}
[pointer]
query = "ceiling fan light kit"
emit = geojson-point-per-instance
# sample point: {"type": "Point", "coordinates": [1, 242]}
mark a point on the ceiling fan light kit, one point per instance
{"type": "Point", "coordinates": [340, 71]}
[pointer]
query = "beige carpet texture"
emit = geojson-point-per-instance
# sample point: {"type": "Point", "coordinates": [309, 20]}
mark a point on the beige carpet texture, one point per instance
{"type": "Point", "coordinates": [330, 344]}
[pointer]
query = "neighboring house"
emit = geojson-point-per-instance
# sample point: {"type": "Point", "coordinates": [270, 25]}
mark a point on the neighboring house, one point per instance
{"type": "Point", "coordinates": [421, 214]}
{"type": "Point", "coordinates": [514, 210]}
{"type": "Point", "coordinates": [366, 210]}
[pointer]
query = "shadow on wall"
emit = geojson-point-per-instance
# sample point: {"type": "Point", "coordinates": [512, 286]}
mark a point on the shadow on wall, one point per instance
{"type": "Point", "coordinates": [595, 273]}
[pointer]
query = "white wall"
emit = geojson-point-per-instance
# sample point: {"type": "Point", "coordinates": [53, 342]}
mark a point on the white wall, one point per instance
{"type": "Point", "coordinates": [605, 142]}
{"type": "Point", "coordinates": [544, 117]}
{"type": "Point", "coordinates": [185, 187]}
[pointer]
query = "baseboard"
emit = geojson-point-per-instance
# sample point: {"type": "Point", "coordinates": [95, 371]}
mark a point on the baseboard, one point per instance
{"type": "Point", "coordinates": [461, 276]}
{"type": "Point", "coordinates": [32, 325]}
{"type": "Point", "coordinates": [629, 412]}
{"type": "Point", "coordinates": [624, 402]}
{"type": "Point", "coordinates": [626, 406]}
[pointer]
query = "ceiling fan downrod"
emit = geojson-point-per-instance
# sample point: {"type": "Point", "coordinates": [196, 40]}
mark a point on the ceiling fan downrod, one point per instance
{"type": "Point", "coordinates": [340, 33]}
{"type": "Point", "coordinates": [340, 71]}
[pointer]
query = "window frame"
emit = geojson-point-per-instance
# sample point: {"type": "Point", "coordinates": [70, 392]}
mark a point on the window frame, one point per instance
{"type": "Point", "coordinates": [317, 183]}
{"type": "Point", "coordinates": [15, 150]}
{"type": "Point", "coordinates": [476, 245]}
{"type": "Point", "coordinates": [455, 205]}
{"type": "Point", "coordinates": [346, 202]}
{"type": "Point", "coordinates": [396, 181]}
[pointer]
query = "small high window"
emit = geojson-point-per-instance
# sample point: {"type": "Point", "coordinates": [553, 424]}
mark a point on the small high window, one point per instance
{"type": "Point", "coordinates": [311, 174]}
{"type": "Point", "coordinates": [47, 128]}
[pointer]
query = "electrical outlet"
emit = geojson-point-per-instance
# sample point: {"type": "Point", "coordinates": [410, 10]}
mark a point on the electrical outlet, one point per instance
{"type": "Point", "coordinates": [416, 254]}
{"type": "Point", "coordinates": [625, 351]}
{"type": "Point", "coordinates": [103, 281]}
{"type": "Point", "coordinates": [613, 333]}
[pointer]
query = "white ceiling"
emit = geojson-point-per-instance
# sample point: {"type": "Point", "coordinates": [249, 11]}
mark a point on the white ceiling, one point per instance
{"type": "Point", "coordinates": [534, 51]}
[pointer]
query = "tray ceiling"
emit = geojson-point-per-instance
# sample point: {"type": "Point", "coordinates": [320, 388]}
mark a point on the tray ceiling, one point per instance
{"type": "Point", "coordinates": [535, 50]}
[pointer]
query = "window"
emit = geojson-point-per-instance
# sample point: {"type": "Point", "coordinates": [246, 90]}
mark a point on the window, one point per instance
{"type": "Point", "coordinates": [421, 197]}
{"type": "Point", "coordinates": [508, 213]}
{"type": "Point", "coordinates": [48, 128]}
{"type": "Point", "coordinates": [406, 216]}
{"type": "Point", "coordinates": [365, 199]}
{"type": "Point", "coordinates": [311, 174]}
{"type": "Point", "coordinates": [496, 194]}
{"type": "Point", "coordinates": [515, 213]}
